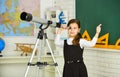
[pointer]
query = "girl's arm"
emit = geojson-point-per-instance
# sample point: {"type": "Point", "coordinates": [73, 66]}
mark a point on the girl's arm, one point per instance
{"type": "Point", "coordinates": [58, 41]}
{"type": "Point", "coordinates": [98, 30]}
{"type": "Point", "coordinates": [85, 43]}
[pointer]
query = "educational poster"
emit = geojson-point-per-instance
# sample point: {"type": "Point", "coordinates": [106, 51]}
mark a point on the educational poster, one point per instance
{"type": "Point", "coordinates": [10, 22]}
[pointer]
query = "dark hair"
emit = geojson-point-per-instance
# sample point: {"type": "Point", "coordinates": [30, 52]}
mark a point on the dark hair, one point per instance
{"type": "Point", "coordinates": [78, 36]}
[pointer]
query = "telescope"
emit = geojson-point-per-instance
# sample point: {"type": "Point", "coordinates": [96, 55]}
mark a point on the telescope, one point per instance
{"type": "Point", "coordinates": [28, 17]}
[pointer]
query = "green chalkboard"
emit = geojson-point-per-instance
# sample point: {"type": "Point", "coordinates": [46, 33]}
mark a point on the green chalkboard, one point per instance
{"type": "Point", "coordinates": [93, 12]}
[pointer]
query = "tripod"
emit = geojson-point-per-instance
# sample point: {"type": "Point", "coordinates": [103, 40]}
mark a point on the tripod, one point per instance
{"type": "Point", "coordinates": [40, 36]}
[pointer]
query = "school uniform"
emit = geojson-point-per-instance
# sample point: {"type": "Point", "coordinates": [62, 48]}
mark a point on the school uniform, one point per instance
{"type": "Point", "coordinates": [73, 56]}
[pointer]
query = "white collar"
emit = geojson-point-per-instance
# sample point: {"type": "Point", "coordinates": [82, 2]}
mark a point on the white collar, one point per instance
{"type": "Point", "coordinates": [69, 41]}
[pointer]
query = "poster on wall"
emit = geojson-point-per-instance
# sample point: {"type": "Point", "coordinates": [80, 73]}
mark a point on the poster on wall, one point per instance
{"type": "Point", "coordinates": [10, 22]}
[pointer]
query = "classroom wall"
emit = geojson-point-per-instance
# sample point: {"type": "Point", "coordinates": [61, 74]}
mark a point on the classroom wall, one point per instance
{"type": "Point", "coordinates": [102, 62]}
{"type": "Point", "coordinates": [68, 5]}
{"type": "Point", "coordinates": [99, 62]}
{"type": "Point", "coordinates": [11, 40]}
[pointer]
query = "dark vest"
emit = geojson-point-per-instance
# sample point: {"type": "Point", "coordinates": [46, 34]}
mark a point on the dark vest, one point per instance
{"type": "Point", "coordinates": [72, 53]}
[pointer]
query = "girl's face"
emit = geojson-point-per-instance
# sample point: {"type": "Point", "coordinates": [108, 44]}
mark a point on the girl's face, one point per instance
{"type": "Point", "coordinates": [73, 30]}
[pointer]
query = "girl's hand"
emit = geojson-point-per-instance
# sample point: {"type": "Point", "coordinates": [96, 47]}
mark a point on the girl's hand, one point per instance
{"type": "Point", "coordinates": [98, 29]}
{"type": "Point", "coordinates": [63, 27]}
{"type": "Point", "coordinates": [59, 30]}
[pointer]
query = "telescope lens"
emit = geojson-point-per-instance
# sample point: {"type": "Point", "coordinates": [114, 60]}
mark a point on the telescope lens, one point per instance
{"type": "Point", "coordinates": [26, 16]}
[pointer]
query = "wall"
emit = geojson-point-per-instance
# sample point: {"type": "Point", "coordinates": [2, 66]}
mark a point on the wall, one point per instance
{"type": "Point", "coordinates": [16, 67]}
{"type": "Point", "coordinates": [68, 5]}
{"type": "Point", "coordinates": [10, 41]}
{"type": "Point", "coordinates": [99, 62]}
{"type": "Point", "coordinates": [102, 62]}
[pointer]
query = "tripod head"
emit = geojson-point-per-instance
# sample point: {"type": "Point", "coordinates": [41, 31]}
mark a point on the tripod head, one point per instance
{"type": "Point", "coordinates": [48, 24]}
{"type": "Point", "coordinates": [41, 32]}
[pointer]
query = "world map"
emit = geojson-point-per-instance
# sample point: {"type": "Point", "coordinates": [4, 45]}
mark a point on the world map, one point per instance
{"type": "Point", "coordinates": [10, 22]}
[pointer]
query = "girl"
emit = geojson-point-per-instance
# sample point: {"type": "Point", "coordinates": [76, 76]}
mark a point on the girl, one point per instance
{"type": "Point", "coordinates": [73, 49]}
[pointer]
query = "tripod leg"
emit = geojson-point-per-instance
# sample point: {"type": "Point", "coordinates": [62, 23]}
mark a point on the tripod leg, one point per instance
{"type": "Point", "coordinates": [31, 58]}
{"type": "Point", "coordinates": [53, 57]}
{"type": "Point", "coordinates": [39, 57]}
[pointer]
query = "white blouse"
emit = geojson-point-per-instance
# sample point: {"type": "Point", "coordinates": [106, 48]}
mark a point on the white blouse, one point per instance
{"type": "Point", "coordinates": [83, 43]}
